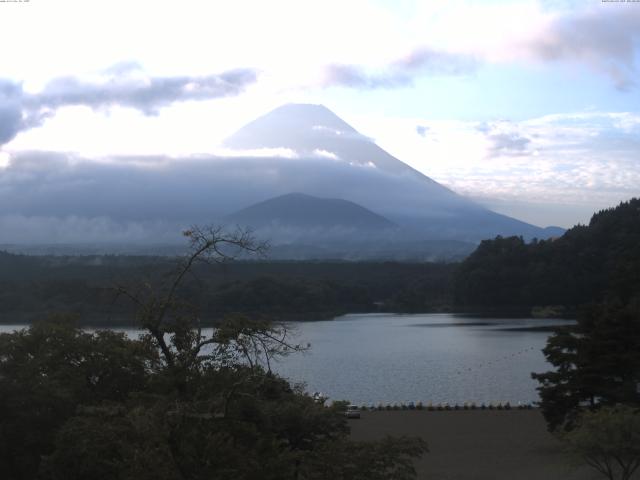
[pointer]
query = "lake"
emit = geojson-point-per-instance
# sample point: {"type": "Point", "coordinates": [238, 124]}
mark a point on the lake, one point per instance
{"type": "Point", "coordinates": [389, 358]}
{"type": "Point", "coordinates": [373, 358]}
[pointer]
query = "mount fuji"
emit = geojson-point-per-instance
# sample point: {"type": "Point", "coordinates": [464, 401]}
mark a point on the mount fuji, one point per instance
{"type": "Point", "coordinates": [373, 178]}
{"type": "Point", "coordinates": [299, 175]}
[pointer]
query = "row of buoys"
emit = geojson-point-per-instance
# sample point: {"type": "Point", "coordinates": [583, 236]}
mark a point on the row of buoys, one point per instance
{"type": "Point", "coordinates": [489, 364]}
{"type": "Point", "coordinates": [446, 406]}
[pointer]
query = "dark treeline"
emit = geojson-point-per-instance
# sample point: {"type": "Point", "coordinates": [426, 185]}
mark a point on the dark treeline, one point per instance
{"type": "Point", "coordinates": [84, 285]}
{"type": "Point", "coordinates": [587, 264]}
{"type": "Point", "coordinates": [597, 361]}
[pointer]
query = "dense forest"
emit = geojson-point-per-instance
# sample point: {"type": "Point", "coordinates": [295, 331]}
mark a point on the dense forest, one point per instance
{"type": "Point", "coordinates": [175, 403]}
{"type": "Point", "coordinates": [87, 286]}
{"type": "Point", "coordinates": [596, 361]}
{"type": "Point", "coordinates": [587, 264]}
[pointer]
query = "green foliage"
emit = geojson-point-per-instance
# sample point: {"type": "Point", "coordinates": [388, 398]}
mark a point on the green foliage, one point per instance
{"type": "Point", "coordinates": [83, 405]}
{"type": "Point", "coordinates": [273, 296]}
{"type": "Point", "coordinates": [390, 458]}
{"type": "Point", "coordinates": [588, 263]}
{"type": "Point", "coordinates": [596, 363]}
{"type": "Point", "coordinates": [32, 286]}
{"type": "Point", "coordinates": [47, 371]}
{"type": "Point", "coordinates": [110, 442]}
{"type": "Point", "coordinates": [340, 405]}
{"type": "Point", "coordinates": [608, 440]}
{"type": "Point", "coordinates": [174, 404]}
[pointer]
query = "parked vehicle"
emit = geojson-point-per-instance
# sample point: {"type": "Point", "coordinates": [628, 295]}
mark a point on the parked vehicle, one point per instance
{"type": "Point", "coordinates": [352, 411]}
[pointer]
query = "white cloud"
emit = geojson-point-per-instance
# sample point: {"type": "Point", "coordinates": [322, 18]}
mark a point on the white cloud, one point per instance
{"type": "Point", "coordinates": [572, 158]}
{"type": "Point", "coordinates": [585, 160]}
{"type": "Point", "coordinates": [459, 36]}
{"type": "Point", "coordinates": [325, 154]}
{"type": "Point", "coordinates": [293, 42]}
{"type": "Point", "coordinates": [124, 86]}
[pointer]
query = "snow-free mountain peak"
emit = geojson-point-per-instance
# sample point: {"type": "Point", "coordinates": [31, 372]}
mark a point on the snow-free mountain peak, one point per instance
{"type": "Point", "coordinates": [299, 210]}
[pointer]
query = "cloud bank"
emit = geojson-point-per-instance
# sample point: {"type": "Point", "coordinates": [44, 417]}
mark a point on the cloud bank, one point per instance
{"type": "Point", "coordinates": [578, 162]}
{"type": "Point", "coordinates": [504, 139]}
{"type": "Point", "coordinates": [605, 39]}
{"type": "Point", "coordinates": [123, 85]}
{"type": "Point", "coordinates": [556, 169]}
{"type": "Point", "coordinates": [400, 72]}
{"type": "Point", "coordinates": [148, 197]}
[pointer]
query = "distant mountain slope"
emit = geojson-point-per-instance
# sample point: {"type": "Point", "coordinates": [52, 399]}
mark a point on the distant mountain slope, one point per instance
{"type": "Point", "coordinates": [314, 130]}
{"type": "Point", "coordinates": [301, 226]}
{"type": "Point", "coordinates": [306, 211]}
{"type": "Point", "coordinates": [386, 185]}
{"type": "Point", "coordinates": [310, 129]}
{"type": "Point", "coordinates": [59, 198]}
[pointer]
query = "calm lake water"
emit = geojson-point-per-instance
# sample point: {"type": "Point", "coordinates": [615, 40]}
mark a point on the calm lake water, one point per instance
{"type": "Point", "coordinates": [371, 358]}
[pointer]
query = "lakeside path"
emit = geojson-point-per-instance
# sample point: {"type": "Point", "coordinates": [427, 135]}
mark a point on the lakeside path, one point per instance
{"type": "Point", "coordinates": [477, 444]}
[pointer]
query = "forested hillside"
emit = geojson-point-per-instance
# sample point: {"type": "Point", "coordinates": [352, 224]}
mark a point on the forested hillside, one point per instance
{"type": "Point", "coordinates": [586, 264]}
{"type": "Point", "coordinates": [85, 285]}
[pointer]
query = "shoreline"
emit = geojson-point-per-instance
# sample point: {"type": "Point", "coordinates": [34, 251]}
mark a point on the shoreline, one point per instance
{"type": "Point", "coordinates": [106, 319]}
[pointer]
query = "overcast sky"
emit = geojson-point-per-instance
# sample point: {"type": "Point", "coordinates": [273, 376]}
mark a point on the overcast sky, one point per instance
{"type": "Point", "coordinates": [530, 107]}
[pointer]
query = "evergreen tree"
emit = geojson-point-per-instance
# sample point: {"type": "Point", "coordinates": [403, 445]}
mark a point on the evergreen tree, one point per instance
{"type": "Point", "coordinates": [596, 363]}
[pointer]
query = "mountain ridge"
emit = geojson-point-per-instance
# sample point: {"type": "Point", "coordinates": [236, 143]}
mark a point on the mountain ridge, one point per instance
{"type": "Point", "coordinates": [296, 125]}
{"type": "Point", "coordinates": [302, 210]}
{"type": "Point", "coordinates": [136, 200]}
{"type": "Point", "coordinates": [308, 128]}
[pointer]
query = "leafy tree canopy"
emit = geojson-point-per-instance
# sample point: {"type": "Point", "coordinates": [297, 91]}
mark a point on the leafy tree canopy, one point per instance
{"type": "Point", "coordinates": [588, 263]}
{"type": "Point", "coordinates": [177, 403]}
{"type": "Point", "coordinates": [596, 363]}
{"type": "Point", "coordinates": [608, 440]}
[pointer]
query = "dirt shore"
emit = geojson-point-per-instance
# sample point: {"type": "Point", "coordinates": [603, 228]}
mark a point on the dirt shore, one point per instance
{"type": "Point", "coordinates": [477, 444]}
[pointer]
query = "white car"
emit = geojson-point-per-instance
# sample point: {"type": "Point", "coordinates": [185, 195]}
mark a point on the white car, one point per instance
{"type": "Point", "coordinates": [352, 411]}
